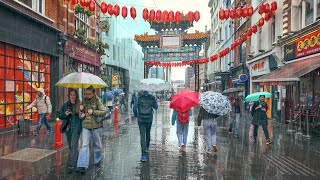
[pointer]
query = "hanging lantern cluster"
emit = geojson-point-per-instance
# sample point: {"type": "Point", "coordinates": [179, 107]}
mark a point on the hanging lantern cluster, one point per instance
{"type": "Point", "coordinates": [252, 30]}
{"type": "Point", "coordinates": [115, 10]}
{"type": "Point", "coordinates": [241, 12]}
{"type": "Point", "coordinates": [168, 16]}
{"type": "Point", "coordinates": [267, 10]}
{"type": "Point", "coordinates": [89, 4]}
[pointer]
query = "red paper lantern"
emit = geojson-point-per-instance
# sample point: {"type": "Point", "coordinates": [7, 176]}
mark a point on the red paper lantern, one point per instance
{"type": "Point", "coordinates": [110, 9]}
{"type": "Point", "coordinates": [133, 12]}
{"type": "Point", "coordinates": [190, 17]}
{"type": "Point", "coordinates": [145, 14]}
{"type": "Point", "coordinates": [254, 28]}
{"type": "Point", "coordinates": [266, 8]}
{"type": "Point", "coordinates": [196, 16]}
{"type": "Point", "coordinates": [92, 6]}
{"type": "Point", "coordinates": [261, 22]}
{"type": "Point", "coordinates": [250, 11]}
{"type": "Point", "coordinates": [171, 16]}
{"type": "Point", "coordinates": [261, 9]}
{"type": "Point", "coordinates": [239, 42]}
{"type": "Point", "coordinates": [239, 12]}
{"type": "Point", "coordinates": [221, 14]}
{"type": "Point", "coordinates": [116, 10]}
{"type": "Point", "coordinates": [83, 3]}
{"type": "Point", "coordinates": [244, 37]}
{"type": "Point", "coordinates": [124, 12]}
{"type": "Point", "coordinates": [249, 32]}
{"type": "Point", "coordinates": [178, 17]}
{"type": "Point", "coordinates": [215, 56]}
{"type": "Point", "coordinates": [227, 50]}
{"type": "Point", "coordinates": [233, 13]}
{"type": "Point", "coordinates": [270, 14]}
{"type": "Point", "coordinates": [152, 15]}
{"type": "Point", "coordinates": [244, 12]}
{"type": "Point", "coordinates": [227, 13]}
{"type": "Point", "coordinates": [158, 15]}
{"type": "Point", "coordinates": [165, 16]}
{"type": "Point", "coordinates": [266, 17]}
{"type": "Point", "coordinates": [274, 6]}
{"type": "Point", "coordinates": [104, 7]}
{"type": "Point", "coordinates": [73, 2]}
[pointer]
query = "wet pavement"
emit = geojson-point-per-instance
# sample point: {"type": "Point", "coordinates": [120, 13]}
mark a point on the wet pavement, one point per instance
{"type": "Point", "coordinates": [289, 157]}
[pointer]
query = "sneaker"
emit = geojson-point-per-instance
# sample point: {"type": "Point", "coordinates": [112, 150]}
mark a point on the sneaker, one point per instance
{"type": "Point", "coordinates": [268, 142]}
{"type": "Point", "coordinates": [36, 134]}
{"type": "Point", "coordinates": [143, 158]}
{"type": "Point", "coordinates": [214, 149]}
{"type": "Point", "coordinates": [236, 136]}
{"type": "Point", "coordinates": [81, 170]}
{"type": "Point", "coordinates": [49, 131]}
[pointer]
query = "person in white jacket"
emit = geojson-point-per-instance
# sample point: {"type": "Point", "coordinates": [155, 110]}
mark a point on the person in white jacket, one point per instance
{"type": "Point", "coordinates": [44, 106]}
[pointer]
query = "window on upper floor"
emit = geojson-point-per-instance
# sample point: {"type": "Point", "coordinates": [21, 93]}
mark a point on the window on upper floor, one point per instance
{"type": "Point", "coordinates": [97, 31]}
{"type": "Point", "coordinates": [82, 22]}
{"type": "Point", "coordinates": [309, 11]}
{"type": "Point", "coordinates": [36, 5]}
{"type": "Point", "coordinates": [273, 30]}
{"type": "Point", "coordinates": [242, 52]}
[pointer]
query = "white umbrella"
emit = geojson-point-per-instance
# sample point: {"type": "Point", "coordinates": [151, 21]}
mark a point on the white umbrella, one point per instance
{"type": "Point", "coordinates": [81, 80]}
{"type": "Point", "coordinates": [215, 103]}
{"type": "Point", "coordinates": [153, 85]}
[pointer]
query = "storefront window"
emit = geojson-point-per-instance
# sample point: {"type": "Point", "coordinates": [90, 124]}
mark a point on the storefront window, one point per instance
{"type": "Point", "coordinates": [22, 72]}
{"type": "Point", "coordinates": [309, 11]}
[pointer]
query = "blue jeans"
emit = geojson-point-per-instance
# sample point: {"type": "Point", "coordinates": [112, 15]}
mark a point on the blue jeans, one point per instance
{"type": "Point", "coordinates": [182, 133]}
{"type": "Point", "coordinates": [210, 133]}
{"type": "Point", "coordinates": [145, 128]}
{"type": "Point", "coordinates": [84, 153]}
{"type": "Point", "coordinates": [43, 120]}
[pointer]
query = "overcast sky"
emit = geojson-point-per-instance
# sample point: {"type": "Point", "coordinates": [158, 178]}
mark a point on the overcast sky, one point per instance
{"type": "Point", "coordinates": [183, 6]}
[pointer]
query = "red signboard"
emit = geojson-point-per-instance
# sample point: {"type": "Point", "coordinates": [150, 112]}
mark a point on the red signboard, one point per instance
{"type": "Point", "coordinates": [308, 44]}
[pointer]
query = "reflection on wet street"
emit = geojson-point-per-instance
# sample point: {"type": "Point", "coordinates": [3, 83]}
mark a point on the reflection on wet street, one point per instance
{"type": "Point", "coordinates": [288, 157]}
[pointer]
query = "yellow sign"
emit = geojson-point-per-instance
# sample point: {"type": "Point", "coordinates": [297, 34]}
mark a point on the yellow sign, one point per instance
{"type": "Point", "coordinates": [115, 79]}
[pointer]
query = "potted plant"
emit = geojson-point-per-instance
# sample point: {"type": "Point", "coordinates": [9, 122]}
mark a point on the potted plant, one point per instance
{"type": "Point", "coordinates": [78, 9]}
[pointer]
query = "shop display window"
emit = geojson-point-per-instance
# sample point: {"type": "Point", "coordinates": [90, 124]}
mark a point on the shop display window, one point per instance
{"type": "Point", "coordinates": [21, 72]}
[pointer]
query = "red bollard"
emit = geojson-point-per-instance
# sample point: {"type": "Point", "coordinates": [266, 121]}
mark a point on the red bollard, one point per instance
{"type": "Point", "coordinates": [116, 115]}
{"type": "Point", "coordinates": [58, 136]}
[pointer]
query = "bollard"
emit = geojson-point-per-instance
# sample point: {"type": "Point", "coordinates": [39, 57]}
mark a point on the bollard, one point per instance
{"type": "Point", "coordinates": [116, 114]}
{"type": "Point", "coordinates": [58, 136]}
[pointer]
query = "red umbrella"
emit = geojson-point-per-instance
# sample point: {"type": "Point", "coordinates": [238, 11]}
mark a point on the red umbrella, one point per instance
{"type": "Point", "coordinates": [184, 100]}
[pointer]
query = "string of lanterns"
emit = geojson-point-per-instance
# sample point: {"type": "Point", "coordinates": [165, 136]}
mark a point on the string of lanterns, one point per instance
{"type": "Point", "coordinates": [243, 12]}
{"type": "Point", "coordinates": [252, 30]}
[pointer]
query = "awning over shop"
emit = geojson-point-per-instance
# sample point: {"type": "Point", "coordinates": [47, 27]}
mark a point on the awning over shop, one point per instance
{"type": "Point", "coordinates": [291, 72]}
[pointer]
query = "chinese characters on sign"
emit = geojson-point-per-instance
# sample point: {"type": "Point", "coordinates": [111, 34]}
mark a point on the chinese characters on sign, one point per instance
{"type": "Point", "coordinates": [260, 67]}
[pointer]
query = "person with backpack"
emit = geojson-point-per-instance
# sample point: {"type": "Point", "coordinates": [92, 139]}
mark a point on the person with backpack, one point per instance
{"type": "Point", "coordinates": [182, 127]}
{"type": "Point", "coordinates": [44, 106]}
{"type": "Point", "coordinates": [144, 110]}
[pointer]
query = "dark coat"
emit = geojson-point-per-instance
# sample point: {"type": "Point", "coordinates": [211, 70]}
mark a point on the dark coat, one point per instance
{"type": "Point", "coordinates": [203, 114]}
{"type": "Point", "coordinates": [72, 119]}
{"type": "Point", "coordinates": [259, 117]}
{"type": "Point", "coordinates": [154, 106]}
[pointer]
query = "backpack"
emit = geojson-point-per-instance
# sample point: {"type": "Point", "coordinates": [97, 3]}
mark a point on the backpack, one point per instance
{"type": "Point", "coordinates": [183, 117]}
{"type": "Point", "coordinates": [145, 106]}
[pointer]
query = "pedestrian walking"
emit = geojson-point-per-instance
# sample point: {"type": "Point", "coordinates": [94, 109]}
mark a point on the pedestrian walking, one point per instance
{"type": "Point", "coordinates": [134, 99]}
{"type": "Point", "coordinates": [71, 126]}
{"type": "Point", "coordinates": [236, 103]}
{"type": "Point", "coordinates": [182, 119]}
{"type": "Point", "coordinates": [259, 117]}
{"type": "Point", "coordinates": [144, 108]}
{"type": "Point", "coordinates": [90, 109]}
{"type": "Point", "coordinates": [210, 129]}
{"type": "Point", "coordinates": [44, 106]}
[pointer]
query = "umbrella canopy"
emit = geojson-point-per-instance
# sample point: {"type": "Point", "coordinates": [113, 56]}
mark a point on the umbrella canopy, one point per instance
{"type": "Point", "coordinates": [153, 85]}
{"type": "Point", "coordinates": [215, 103]}
{"type": "Point", "coordinates": [232, 90]}
{"type": "Point", "coordinates": [118, 92]}
{"type": "Point", "coordinates": [255, 96]}
{"type": "Point", "coordinates": [81, 80]}
{"type": "Point", "coordinates": [184, 100]}
{"type": "Point", "coordinates": [108, 95]}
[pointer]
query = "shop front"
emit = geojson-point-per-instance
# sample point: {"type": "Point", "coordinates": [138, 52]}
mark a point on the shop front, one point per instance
{"type": "Point", "coordinates": [259, 67]}
{"type": "Point", "coordinates": [299, 78]}
{"type": "Point", "coordinates": [28, 52]}
{"type": "Point", "coordinates": [218, 81]}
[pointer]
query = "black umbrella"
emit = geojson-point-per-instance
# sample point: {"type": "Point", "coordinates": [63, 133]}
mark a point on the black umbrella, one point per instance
{"type": "Point", "coordinates": [232, 90]}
